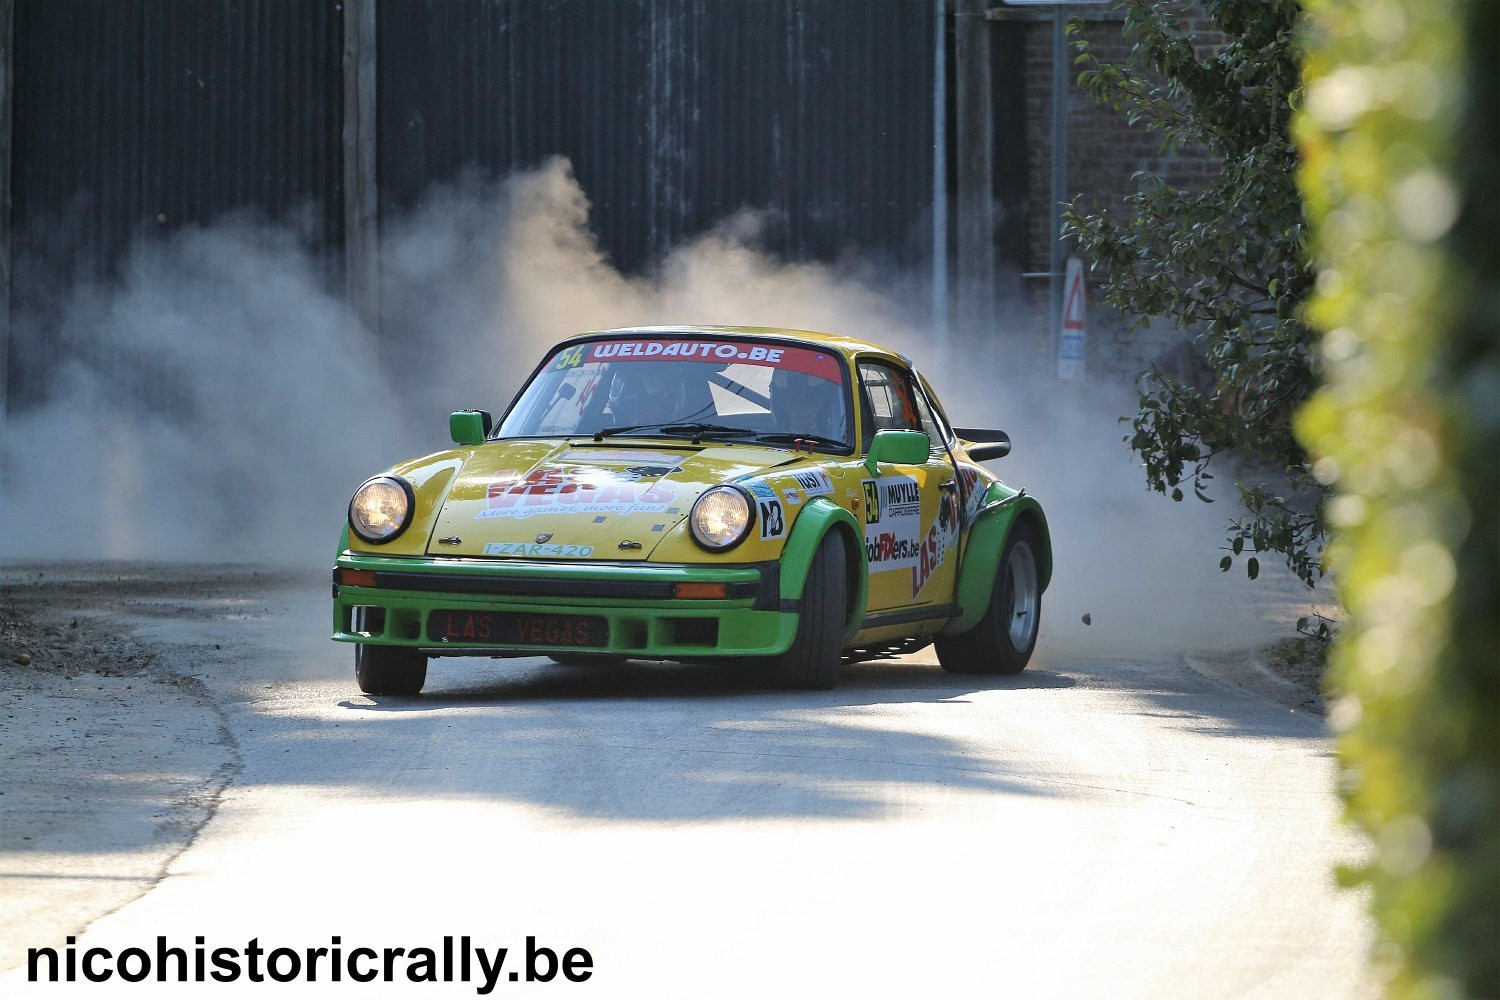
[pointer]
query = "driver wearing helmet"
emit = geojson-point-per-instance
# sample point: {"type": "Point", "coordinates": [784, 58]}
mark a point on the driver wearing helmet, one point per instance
{"type": "Point", "coordinates": [646, 392]}
{"type": "Point", "coordinates": [807, 404]}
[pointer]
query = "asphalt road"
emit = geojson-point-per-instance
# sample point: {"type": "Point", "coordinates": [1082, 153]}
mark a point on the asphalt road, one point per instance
{"type": "Point", "coordinates": [1104, 827]}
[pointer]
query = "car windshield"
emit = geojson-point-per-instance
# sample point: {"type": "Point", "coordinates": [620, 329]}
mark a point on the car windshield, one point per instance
{"type": "Point", "coordinates": [689, 387]}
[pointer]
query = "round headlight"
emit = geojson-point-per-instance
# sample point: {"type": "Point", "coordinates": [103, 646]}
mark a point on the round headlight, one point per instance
{"type": "Point", "coordinates": [381, 509]}
{"type": "Point", "coordinates": [721, 518]}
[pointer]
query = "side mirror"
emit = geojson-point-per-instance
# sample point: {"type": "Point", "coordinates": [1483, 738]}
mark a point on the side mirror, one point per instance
{"type": "Point", "coordinates": [469, 426]}
{"type": "Point", "coordinates": [983, 445]}
{"type": "Point", "coordinates": [898, 447]}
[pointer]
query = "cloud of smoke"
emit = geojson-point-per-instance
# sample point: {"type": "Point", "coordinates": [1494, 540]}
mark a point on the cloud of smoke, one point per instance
{"type": "Point", "coordinates": [221, 402]}
{"type": "Point", "coordinates": [213, 403]}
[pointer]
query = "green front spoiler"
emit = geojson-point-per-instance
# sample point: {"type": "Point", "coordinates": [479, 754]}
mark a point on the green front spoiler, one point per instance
{"type": "Point", "coordinates": [638, 600]}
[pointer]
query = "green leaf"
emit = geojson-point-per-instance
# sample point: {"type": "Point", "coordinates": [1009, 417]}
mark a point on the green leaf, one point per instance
{"type": "Point", "coordinates": [1252, 567]}
{"type": "Point", "coordinates": [1225, 563]}
{"type": "Point", "coordinates": [1216, 257]}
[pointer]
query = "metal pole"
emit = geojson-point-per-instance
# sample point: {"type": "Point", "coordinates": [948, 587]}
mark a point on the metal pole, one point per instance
{"type": "Point", "coordinates": [940, 321]}
{"type": "Point", "coordinates": [975, 148]}
{"type": "Point", "coordinates": [7, 88]}
{"type": "Point", "coordinates": [1058, 257]}
{"type": "Point", "coordinates": [361, 210]}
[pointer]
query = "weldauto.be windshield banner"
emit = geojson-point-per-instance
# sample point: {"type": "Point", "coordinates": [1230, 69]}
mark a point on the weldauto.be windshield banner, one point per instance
{"type": "Point", "coordinates": [808, 361]}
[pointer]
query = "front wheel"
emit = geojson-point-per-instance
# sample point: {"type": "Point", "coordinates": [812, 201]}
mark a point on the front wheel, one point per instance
{"type": "Point", "coordinates": [389, 669]}
{"type": "Point", "coordinates": [812, 662]}
{"type": "Point", "coordinates": [1001, 642]}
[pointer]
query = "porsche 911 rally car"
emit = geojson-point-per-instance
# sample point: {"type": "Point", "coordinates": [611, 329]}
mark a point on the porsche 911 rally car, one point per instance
{"type": "Point", "coordinates": [787, 499]}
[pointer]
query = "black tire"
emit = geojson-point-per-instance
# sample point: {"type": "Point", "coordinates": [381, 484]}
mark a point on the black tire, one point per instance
{"type": "Point", "coordinates": [389, 669]}
{"type": "Point", "coordinates": [812, 663]}
{"type": "Point", "coordinates": [1001, 642]}
{"type": "Point", "coordinates": [585, 659]}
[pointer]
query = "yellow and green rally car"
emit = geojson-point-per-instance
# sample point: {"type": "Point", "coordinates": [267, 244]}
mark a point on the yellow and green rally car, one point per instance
{"type": "Point", "coordinates": [788, 499]}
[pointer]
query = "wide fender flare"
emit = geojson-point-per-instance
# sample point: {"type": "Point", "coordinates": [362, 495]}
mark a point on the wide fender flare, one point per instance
{"type": "Point", "coordinates": [981, 556]}
{"type": "Point", "coordinates": [819, 516]}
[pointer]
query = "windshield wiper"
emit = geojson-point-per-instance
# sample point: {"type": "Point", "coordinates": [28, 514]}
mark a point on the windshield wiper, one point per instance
{"type": "Point", "coordinates": [672, 429]}
{"type": "Point", "coordinates": [784, 437]}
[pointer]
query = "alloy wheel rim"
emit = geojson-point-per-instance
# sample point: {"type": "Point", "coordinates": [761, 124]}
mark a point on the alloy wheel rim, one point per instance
{"type": "Point", "coordinates": [1023, 593]}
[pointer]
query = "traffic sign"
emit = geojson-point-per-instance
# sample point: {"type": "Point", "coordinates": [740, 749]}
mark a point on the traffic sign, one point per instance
{"type": "Point", "coordinates": [1072, 339]}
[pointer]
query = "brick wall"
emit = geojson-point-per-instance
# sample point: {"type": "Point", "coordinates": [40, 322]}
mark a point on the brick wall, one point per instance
{"type": "Point", "coordinates": [1104, 154]}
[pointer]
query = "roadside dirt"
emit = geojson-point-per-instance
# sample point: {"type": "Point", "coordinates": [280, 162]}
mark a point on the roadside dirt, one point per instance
{"type": "Point", "coordinates": [111, 756]}
{"type": "Point", "coordinates": [1288, 672]}
{"type": "Point", "coordinates": [1302, 660]}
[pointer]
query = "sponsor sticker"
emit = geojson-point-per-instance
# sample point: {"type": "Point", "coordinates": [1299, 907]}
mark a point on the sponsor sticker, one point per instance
{"type": "Point", "coordinates": [570, 358]}
{"type": "Point", "coordinates": [971, 482]}
{"type": "Point", "coordinates": [760, 488]}
{"type": "Point", "coordinates": [890, 551]}
{"type": "Point", "coordinates": [671, 461]}
{"type": "Point", "coordinates": [893, 522]}
{"type": "Point", "coordinates": [935, 547]}
{"type": "Point", "coordinates": [584, 490]}
{"type": "Point", "coordinates": [686, 349]}
{"type": "Point", "coordinates": [894, 536]}
{"type": "Point", "coordinates": [792, 497]}
{"type": "Point", "coordinates": [799, 359]}
{"type": "Point", "coordinates": [772, 519]}
{"type": "Point", "coordinates": [533, 549]}
{"type": "Point", "coordinates": [872, 502]}
{"type": "Point", "coordinates": [814, 482]}
{"type": "Point", "coordinates": [900, 495]}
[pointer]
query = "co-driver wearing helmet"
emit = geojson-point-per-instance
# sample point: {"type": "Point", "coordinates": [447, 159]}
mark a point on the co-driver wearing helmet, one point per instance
{"type": "Point", "coordinates": [807, 404]}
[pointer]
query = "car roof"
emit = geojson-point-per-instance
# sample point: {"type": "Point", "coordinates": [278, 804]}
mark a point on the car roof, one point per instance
{"type": "Point", "coordinates": [829, 341]}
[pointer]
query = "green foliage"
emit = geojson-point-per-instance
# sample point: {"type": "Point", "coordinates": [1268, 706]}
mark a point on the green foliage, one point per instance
{"type": "Point", "coordinates": [1402, 148]}
{"type": "Point", "coordinates": [1225, 261]}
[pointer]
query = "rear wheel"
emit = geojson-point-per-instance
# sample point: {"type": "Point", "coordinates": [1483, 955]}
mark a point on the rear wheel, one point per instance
{"type": "Point", "coordinates": [812, 662]}
{"type": "Point", "coordinates": [1001, 642]}
{"type": "Point", "coordinates": [389, 669]}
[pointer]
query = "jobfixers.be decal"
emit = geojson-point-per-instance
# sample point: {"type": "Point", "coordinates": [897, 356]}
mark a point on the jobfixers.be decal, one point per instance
{"type": "Point", "coordinates": [894, 539]}
{"type": "Point", "coordinates": [893, 522]}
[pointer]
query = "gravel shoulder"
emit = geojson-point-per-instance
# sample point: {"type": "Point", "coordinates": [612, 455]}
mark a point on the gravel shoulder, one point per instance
{"type": "Point", "coordinates": [111, 757]}
{"type": "Point", "coordinates": [1288, 672]}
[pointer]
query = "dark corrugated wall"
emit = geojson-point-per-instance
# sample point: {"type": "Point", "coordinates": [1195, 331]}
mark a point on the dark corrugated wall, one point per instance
{"type": "Point", "coordinates": [141, 116]}
{"type": "Point", "coordinates": [131, 114]}
{"type": "Point", "coordinates": [675, 113]}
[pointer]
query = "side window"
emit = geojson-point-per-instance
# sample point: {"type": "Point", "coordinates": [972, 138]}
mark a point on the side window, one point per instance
{"type": "Point", "coordinates": [930, 423]}
{"type": "Point", "coordinates": [888, 401]}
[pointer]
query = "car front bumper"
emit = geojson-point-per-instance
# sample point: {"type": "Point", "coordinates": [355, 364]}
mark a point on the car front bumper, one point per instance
{"type": "Point", "coordinates": [640, 602]}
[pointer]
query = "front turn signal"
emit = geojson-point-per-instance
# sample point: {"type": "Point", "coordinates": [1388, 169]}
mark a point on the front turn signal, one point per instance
{"type": "Point", "coordinates": [701, 591]}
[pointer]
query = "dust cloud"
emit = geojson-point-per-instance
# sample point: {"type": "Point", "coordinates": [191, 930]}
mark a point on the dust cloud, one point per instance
{"type": "Point", "coordinates": [221, 402]}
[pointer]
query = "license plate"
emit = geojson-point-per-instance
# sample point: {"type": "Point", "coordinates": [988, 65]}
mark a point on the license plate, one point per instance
{"type": "Point", "coordinates": [513, 628]}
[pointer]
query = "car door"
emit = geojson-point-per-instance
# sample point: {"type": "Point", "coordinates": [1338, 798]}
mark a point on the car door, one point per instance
{"type": "Point", "coordinates": [910, 511]}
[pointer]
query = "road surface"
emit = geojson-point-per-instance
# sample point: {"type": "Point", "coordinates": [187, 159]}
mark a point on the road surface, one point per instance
{"type": "Point", "coordinates": [1102, 827]}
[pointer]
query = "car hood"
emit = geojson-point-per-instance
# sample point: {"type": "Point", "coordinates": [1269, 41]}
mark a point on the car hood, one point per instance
{"type": "Point", "coordinates": [565, 500]}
